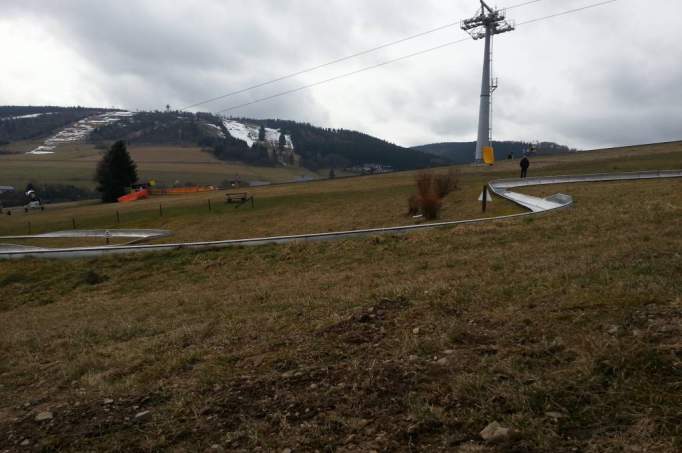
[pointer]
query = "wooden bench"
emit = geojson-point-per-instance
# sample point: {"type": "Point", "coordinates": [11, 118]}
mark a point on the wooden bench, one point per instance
{"type": "Point", "coordinates": [238, 198]}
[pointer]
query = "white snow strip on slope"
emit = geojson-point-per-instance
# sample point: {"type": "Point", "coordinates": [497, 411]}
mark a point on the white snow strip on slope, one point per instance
{"type": "Point", "coordinates": [249, 133]}
{"type": "Point", "coordinates": [32, 115]}
{"type": "Point", "coordinates": [79, 131]}
{"type": "Point", "coordinates": [272, 135]}
{"type": "Point", "coordinates": [241, 132]}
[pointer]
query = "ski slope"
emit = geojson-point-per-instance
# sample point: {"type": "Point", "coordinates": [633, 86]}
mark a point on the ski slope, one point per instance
{"type": "Point", "coordinates": [249, 133]}
{"type": "Point", "coordinates": [79, 131]}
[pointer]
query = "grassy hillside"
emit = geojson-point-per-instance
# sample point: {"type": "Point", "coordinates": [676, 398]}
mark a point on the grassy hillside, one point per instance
{"type": "Point", "coordinates": [75, 164]}
{"type": "Point", "coordinates": [24, 129]}
{"type": "Point", "coordinates": [564, 328]}
{"type": "Point", "coordinates": [305, 208]}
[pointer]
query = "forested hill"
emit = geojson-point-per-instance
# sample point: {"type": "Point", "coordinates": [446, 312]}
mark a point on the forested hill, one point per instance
{"type": "Point", "coordinates": [304, 144]}
{"type": "Point", "coordinates": [315, 147]}
{"type": "Point", "coordinates": [323, 147]}
{"type": "Point", "coordinates": [160, 128]}
{"type": "Point", "coordinates": [309, 146]}
{"type": "Point", "coordinates": [463, 152]}
{"type": "Point", "coordinates": [28, 122]}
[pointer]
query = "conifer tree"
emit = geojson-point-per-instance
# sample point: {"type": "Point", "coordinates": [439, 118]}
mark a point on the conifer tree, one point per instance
{"type": "Point", "coordinates": [116, 172]}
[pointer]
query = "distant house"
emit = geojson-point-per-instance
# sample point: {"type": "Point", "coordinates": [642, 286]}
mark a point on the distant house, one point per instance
{"type": "Point", "coordinates": [370, 169]}
{"type": "Point", "coordinates": [4, 189]}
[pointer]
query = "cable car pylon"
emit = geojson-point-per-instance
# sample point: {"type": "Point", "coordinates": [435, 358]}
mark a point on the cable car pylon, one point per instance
{"type": "Point", "coordinates": [487, 23]}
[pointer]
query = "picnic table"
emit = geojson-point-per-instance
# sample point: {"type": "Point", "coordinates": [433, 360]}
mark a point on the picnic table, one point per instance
{"type": "Point", "coordinates": [239, 198]}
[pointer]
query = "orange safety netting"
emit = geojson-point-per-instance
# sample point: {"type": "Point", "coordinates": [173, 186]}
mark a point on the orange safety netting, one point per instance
{"type": "Point", "coordinates": [134, 196]}
{"type": "Point", "coordinates": [182, 190]}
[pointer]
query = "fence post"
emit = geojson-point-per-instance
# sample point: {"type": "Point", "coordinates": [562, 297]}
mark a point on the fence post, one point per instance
{"type": "Point", "coordinates": [209, 205]}
{"type": "Point", "coordinates": [118, 217]}
{"type": "Point", "coordinates": [484, 198]}
{"type": "Point", "coordinates": [160, 210]}
{"type": "Point", "coordinates": [73, 222]}
{"type": "Point", "coordinates": [252, 201]}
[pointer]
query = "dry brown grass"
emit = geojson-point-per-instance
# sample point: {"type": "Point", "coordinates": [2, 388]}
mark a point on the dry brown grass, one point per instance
{"type": "Point", "coordinates": [340, 346]}
{"type": "Point", "coordinates": [289, 209]}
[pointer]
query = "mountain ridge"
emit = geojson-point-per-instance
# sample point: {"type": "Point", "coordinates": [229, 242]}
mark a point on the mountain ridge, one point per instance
{"type": "Point", "coordinates": [237, 139]}
{"type": "Point", "coordinates": [463, 152]}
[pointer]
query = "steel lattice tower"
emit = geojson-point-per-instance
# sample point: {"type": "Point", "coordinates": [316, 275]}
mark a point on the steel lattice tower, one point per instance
{"type": "Point", "coordinates": [486, 24]}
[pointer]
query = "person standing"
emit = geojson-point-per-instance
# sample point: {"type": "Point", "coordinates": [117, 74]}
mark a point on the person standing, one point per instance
{"type": "Point", "coordinates": [525, 163]}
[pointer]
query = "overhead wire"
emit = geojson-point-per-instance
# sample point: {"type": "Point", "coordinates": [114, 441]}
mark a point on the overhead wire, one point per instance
{"type": "Point", "coordinates": [564, 13]}
{"type": "Point", "coordinates": [404, 57]}
{"type": "Point", "coordinates": [340, 60]}
{"type": "Point", "coordinates": [341, 76]}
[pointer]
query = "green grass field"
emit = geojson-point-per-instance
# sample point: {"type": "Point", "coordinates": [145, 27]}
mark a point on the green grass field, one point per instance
{"type": "Point", "coordinates": [565, 328]}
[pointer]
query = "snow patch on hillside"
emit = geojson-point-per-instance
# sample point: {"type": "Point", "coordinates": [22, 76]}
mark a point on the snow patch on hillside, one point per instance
{"type": "Point", "coordinates": [249, 133]}
{"type": "Point", "coordinates": [79, 131]}
{"type": "Point", "coordinates": [272, 136]}
{"type": "Point", "coordinates": [21, 117]}
{"type": "Point", "coordinates": [242, 132]}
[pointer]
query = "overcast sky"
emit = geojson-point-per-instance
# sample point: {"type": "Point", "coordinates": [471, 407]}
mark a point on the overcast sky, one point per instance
{"type": "Point", "coordinates": [602, 77]}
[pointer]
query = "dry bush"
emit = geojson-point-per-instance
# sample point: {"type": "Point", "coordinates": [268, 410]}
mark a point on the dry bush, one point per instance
{"type": "Point", "coordinates": [431, 189]}
{"type": "Point", "coordinates": [444, 184]}
{"type": "Point", "coordinates": [428, 200]}
{"type": "Point", "coordinates": [430, 205]}
{"type": "Point", "coordinates": [424, 181]}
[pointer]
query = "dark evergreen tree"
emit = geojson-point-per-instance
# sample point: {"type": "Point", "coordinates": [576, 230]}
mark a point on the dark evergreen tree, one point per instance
{"type": "Point", "coordinates": [282, 141]}
{"type": "Point", "coordinates": [261, 133]}
{"type": "Point", "coordinates": [332, 174]}
{"type": "Point", "coordinates": [116, 172]}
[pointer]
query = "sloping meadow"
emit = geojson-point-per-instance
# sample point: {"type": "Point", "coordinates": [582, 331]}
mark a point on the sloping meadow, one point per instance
{"type": "Point", "coordinates": [565, 329]}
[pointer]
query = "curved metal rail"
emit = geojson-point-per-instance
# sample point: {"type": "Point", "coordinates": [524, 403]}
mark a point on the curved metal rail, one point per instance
{"type": "Point", "coordinates": [501, 187]}
{"type": "Point", "coordinates": [137, 234]}
{"type": "Point", "coordinates": [535, 205]}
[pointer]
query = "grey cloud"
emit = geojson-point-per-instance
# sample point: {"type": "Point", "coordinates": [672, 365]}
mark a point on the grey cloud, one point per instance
{"type": "Point", "coordinates": [604, 77]}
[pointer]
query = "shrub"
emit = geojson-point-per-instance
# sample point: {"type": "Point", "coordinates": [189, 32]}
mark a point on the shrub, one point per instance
{"type": "Point", "coordinates": [430, 205]}
{"type": "Point", "coordinates": [427, 197]}
{"type": "Point", "coordinates": [431, 189]}
{"type": "Point", "coordinates": [444, 184]}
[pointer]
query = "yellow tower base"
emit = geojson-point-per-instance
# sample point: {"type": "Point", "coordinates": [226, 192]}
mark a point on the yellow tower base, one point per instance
{"type": "Point", "coordinates": [488, 155]}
